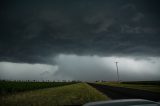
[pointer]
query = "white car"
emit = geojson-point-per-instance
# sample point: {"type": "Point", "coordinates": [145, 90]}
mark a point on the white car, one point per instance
{"type": "Point", "coordinates": [124, 102]}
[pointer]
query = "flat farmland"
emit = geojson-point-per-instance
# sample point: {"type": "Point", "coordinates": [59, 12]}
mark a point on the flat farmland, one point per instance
{"type": "Point", "coordinates": [11, 87]}
{"type": "Point", "coordinates": [74, 94]}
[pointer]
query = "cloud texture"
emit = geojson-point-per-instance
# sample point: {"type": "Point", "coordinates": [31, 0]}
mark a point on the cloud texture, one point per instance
{"type": "Point", "coordinates": [71, 39]}
{"type": "Point", "coordinates": [34, 31]}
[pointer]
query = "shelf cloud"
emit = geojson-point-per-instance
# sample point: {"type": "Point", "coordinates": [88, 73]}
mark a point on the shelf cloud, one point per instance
{"type": "Point", "coordinates": [39, 32]}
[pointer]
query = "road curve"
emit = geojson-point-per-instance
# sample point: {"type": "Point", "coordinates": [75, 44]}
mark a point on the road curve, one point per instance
{"type": "Point", "coordinates": [126, 93]}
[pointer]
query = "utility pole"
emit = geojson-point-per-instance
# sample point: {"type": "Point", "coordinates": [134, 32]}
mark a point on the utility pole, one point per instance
{"type": "Point", "coordinates": [117, 72]}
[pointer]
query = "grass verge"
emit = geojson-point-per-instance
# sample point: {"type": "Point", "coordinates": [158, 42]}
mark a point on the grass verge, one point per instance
{"type": "Point", "coordinates": [76, 94]}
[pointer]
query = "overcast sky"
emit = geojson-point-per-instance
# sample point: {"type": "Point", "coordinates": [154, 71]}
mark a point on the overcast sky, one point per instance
{"type": "Point", "coordinates": [79, 39]}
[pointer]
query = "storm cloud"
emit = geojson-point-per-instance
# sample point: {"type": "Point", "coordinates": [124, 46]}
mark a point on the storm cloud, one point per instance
{"type": "Point", "coordinates": [84, 68]}
{"type": "Point", "coordinates": [38, 32]}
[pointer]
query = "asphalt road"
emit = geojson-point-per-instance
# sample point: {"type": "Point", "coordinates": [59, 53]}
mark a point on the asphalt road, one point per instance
{"type": "Point", "coordinates": [126, 93]}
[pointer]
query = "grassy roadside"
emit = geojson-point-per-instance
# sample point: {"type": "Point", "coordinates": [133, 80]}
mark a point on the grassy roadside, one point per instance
{"type": "Point", "coordinates": [76, 94]}
{"type": "Point", "coordinates": [152, 88]}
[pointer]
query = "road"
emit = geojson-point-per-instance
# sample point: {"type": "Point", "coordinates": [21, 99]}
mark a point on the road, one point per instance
{"type": "Point", "coordinates": [126, 93]}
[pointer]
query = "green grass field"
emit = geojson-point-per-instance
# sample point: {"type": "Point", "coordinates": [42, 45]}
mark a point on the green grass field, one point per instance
{"type": "Point", "coordinates": [147, 87]}
{"type": "Point", "coordinates": [75, 94]}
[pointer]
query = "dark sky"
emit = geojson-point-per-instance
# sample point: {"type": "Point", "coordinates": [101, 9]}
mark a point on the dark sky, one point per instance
{"type": "Point", "coordinates": [39, 31]}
